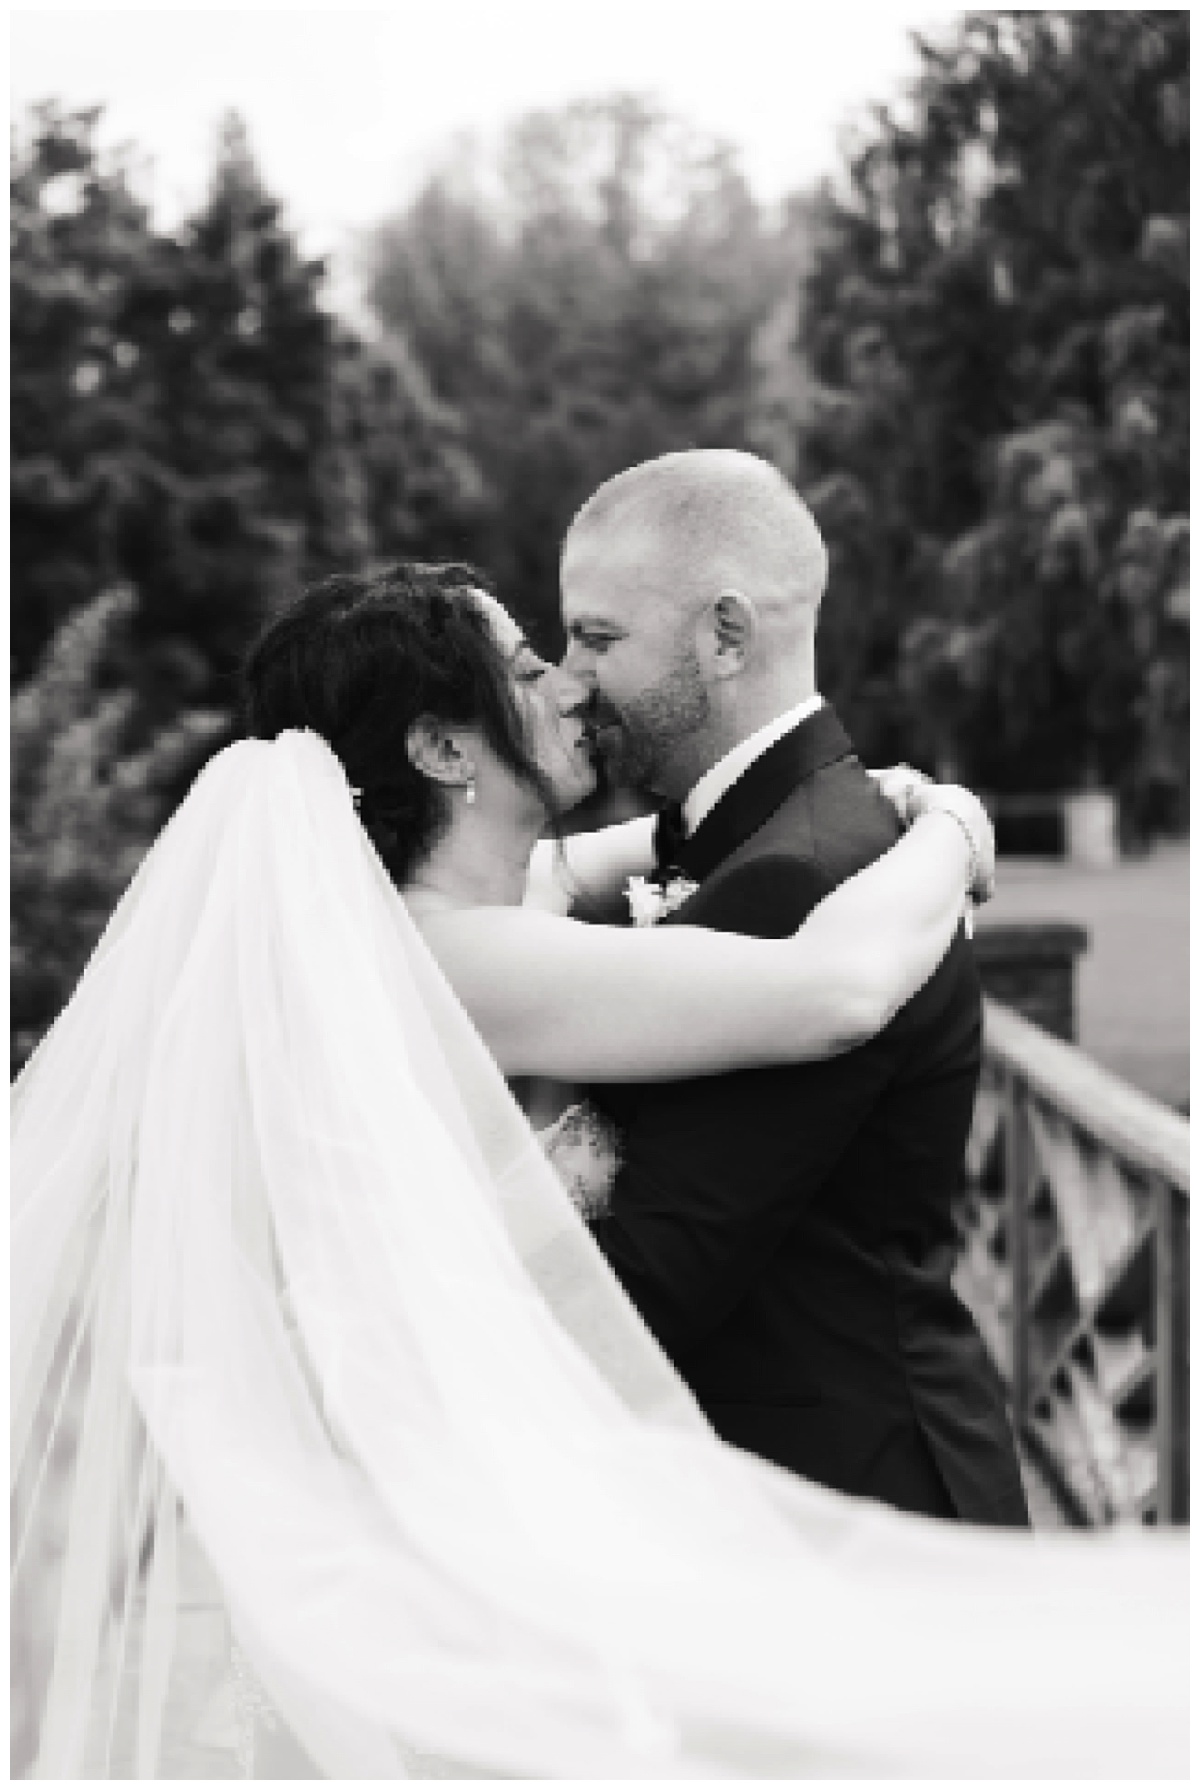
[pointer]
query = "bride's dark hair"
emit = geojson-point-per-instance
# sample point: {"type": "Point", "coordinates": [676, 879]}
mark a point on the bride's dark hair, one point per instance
{"type": "Point", "coordinates": [359, 658]}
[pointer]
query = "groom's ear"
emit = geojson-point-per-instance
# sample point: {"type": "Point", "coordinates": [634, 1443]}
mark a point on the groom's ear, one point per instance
{"type": "Point", "coordinates": [734, 624]}
{"type": "Point", "coordinates": [435, 750]}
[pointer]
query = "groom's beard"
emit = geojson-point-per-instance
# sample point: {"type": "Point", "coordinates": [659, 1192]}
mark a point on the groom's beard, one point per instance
{"type": "Point", "coordinates": [638, 739]}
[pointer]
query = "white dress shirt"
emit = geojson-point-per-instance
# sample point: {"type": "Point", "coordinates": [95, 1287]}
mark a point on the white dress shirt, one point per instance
{"type": "Point", "coordinates": [725, 773]}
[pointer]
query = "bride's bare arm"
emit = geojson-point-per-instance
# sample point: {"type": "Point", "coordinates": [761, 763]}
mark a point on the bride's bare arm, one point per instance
{"type": "Point", "coordinates": [552, 996]}
{"type": "Point", "coordinates": [597, 865]}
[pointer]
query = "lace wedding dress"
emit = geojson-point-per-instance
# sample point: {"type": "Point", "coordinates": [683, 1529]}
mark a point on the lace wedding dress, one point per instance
{"type": "Point", "coordinates": [313, 1359]}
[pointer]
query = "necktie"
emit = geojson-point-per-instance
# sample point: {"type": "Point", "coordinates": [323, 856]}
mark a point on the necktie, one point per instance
{"type": "Point", "coordinates": [669, 837]}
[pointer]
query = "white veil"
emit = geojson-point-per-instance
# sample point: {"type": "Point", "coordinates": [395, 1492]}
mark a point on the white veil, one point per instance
{"type": "Point", "coordinates": [311, 1350]}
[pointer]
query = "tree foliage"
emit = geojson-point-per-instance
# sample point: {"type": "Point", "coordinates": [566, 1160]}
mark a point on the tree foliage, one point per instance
{"type": "Point", "coordinates": [85, 802]}
{"type": "Point", "coordinates": [606, 289]}
{"type": "Point", "coordinates": [189, 418]}
{"type": "Point", "coordinates": [996, 338]}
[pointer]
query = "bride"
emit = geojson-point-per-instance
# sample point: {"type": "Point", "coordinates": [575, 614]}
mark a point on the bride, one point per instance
{"type": "Point", "coordinates": [338, 1450]}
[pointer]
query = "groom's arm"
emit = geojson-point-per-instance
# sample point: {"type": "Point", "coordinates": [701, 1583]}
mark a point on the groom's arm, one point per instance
{"type": "Point", "coordinates": [718, 1169]}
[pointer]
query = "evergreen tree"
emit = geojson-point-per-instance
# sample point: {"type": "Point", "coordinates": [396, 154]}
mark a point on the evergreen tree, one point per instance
{"type": "Point", "coordinates": [189, 419]}
{"type": "Point", "coordinates": [995, 332]}
{"type": "Point", "coordinates": [167, 399]}
{"type": "Point", "coordinates": [85, 803]}
{"type": "Point", "coordinates": [245, 372]}
{"type": "Point", "coordinates": [193, 435]}
{"type": "Point", "coordinates": [82, 418]}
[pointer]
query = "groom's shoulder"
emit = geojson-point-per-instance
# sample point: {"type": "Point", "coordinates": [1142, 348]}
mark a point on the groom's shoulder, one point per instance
{"type": "Point", "coordinates": [838, 818]}
{"type": "Point", "coordinates": [772, 881]}
{"type": "Point", "coordinates": [829, 826]}
{"type": "Point", "coordinates": [834, 819]}
{"type": "Point", "coordinates": [765, 894]}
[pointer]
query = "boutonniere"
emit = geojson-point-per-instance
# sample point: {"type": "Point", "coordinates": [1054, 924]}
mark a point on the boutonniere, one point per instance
{"type": "Point", "coordinates": [651, 901]}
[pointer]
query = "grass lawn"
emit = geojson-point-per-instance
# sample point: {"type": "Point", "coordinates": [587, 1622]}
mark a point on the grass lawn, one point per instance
{"type": "Point", "coordinates": [1133, 980]}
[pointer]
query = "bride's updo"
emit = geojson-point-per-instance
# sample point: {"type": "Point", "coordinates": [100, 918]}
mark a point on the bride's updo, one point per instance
{"type": "Point", "coordinates": [359, 659]}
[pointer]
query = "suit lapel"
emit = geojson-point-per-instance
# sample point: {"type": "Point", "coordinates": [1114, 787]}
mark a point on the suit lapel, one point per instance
{"type": "Point", "coordinates": [763, 787]}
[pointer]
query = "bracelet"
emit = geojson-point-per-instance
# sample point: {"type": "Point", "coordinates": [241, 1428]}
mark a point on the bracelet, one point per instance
{"type": "Point", "coordinates": [974, 864]}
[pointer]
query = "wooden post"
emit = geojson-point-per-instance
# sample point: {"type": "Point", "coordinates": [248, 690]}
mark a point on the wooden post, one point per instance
{"type": "Point", "coordinates": [1016, 1178]}
{"type": "Point", "coordinates": [1030, 966]}
{"type": "Point", "coordinates": [1171, 1352]}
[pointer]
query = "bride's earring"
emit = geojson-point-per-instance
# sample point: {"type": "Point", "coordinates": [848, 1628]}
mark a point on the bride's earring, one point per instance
{"type": "Point", "coordinates": [471, 789]}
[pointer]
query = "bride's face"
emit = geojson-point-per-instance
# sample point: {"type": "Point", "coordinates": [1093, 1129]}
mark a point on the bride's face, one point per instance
{"type": "Point", "coordinates": [552, 704]}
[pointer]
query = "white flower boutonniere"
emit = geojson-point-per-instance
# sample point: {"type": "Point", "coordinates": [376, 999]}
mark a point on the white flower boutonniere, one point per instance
{"type": "Point", "coordinates": [650, 901]}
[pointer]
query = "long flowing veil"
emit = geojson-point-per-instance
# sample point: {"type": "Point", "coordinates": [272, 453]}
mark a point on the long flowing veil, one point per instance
{"type": "Point", "coordinates": [322, 1389]}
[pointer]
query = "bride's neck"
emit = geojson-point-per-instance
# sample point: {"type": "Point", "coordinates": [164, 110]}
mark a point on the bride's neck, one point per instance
{"type": "Point", "coordinates": [477, 863]}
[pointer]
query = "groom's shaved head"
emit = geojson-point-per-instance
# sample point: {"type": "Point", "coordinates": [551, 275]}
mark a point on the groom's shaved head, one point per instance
{"type": "Point", "coordinates": [716, 518]}
{"type": "Point", "coordinates": [690, 593]}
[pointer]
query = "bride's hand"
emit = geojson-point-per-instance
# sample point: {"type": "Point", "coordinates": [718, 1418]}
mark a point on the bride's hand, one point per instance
{"type": "Point", "coordinates": [972, 816]}
{"type": "Point", "coordinates": [912, 794]}
{"type": "Point", "coordinates": [899, 783]}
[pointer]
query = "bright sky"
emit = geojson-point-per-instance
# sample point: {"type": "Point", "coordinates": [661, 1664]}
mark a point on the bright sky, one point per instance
{"type": "Point", "coordinates": [347, 110]}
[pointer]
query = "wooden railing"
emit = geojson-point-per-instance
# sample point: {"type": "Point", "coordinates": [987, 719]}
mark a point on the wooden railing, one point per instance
{"type": "Point", "coordinates": [1075, 1262]}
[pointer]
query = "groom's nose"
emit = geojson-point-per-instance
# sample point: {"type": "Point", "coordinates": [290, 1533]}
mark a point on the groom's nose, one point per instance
{"type": "Point", "coordinates": [571, 692]}
{"type": "Point", "coordinates": [576, 665]}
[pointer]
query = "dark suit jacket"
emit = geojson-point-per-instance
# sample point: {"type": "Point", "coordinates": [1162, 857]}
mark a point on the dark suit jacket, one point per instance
{"type": "Point", "coordinates": [786, 1233]}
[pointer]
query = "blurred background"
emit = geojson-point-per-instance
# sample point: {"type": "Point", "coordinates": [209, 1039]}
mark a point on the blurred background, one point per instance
{"type": "Point", "coordinates": [295, 292]}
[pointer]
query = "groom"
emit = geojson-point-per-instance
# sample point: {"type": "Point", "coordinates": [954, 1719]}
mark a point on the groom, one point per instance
{"type": "Point", "coordinates": [786, 1233]}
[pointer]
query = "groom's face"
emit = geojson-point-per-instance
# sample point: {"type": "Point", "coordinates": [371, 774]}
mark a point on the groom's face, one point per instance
{"type": "Point", "coordinates": [633, 644]}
